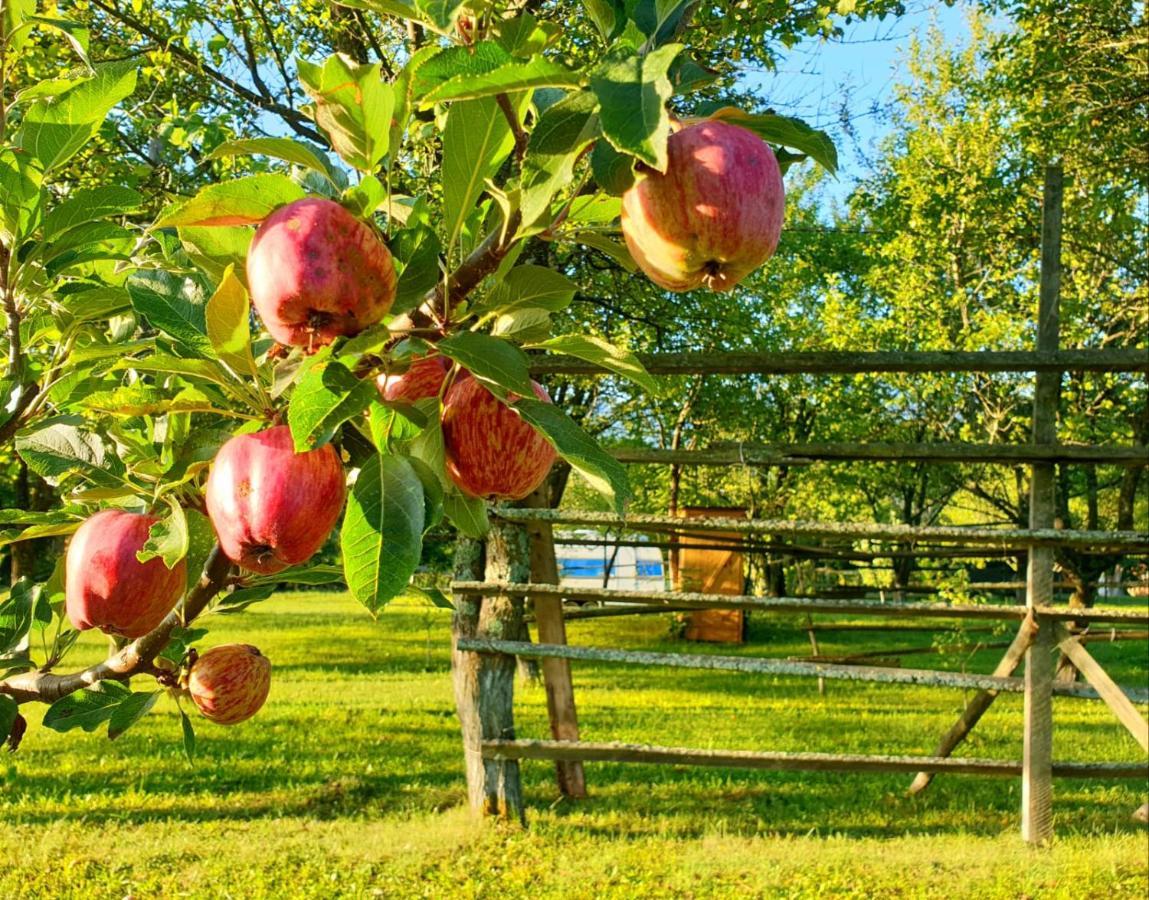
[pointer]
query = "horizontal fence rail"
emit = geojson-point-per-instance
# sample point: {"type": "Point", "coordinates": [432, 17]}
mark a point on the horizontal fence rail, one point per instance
{"type": "Point", "coordinates": [692, 600]}
{"type": "Point", "coordinates": [1002, 538]}
{"type": "Point", "coordinates": [801, 454]}
{"type": "Point", "coordinates": [587, 751]}
{"type": "Point", "coordinates": [850, 363]}
{"type": "Point", "coordinates": [757, 665]}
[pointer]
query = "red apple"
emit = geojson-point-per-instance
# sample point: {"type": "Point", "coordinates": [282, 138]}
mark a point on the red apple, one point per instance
{"type": "Point", "coordinates": [423, 378]}
{"type": "Point", "coordinates": [316, 272]}
{"type": "Point", "coordinates": [107, 587]}
{"type": "Point", "coordinates": [272, 507]}
{"type": "Point", "coordinates": [229, 683]}
{"type": "Point", "coordinates": [490, 451]}
{"type": "Point", "coordinates": [714, 217]}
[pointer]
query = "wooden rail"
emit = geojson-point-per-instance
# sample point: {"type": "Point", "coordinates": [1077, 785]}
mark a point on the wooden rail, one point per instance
{"type": "Point", "coordinates": [587, 751]}
{"type": "Point", "coordinates": [1001, 538]}
{"type": "Point", "coordinates": [757, 665]}
{"type": "Point", "coordinates": [801, 454]}
{"type": "Point", "coordinates": [844, 362]}
{"type": "Point", "coordinates": [916, 609]}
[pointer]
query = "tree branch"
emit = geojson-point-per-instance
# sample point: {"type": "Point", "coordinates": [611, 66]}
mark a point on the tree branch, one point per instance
{"type": "Point", "coordinates": [521, 137]}
{"type": "Point", "coordinates": [134, 659]}
{"type": "Point", "coordinates": [294, 119]}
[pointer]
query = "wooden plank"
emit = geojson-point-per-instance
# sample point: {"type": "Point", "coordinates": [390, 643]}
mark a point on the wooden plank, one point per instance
{"type": "Point", "coordinates": [804, 454]}
{"type": "Point", "coordinates": [780, 761]}
{"type": "Point", "coordinates": [561, 710]}
{"type": "Point", "coordinates": [1127, 714]}
{"type": "Point", "coordinates": [1000, 538]}
{"type": "Point", "coordinates": [860, 606]}
{"type": "Point", "coordinates": [1037, 758]}
{"type": "Point", "coordinates": [978, 704]}
{"type": "Point", "coordinates": [848, 362]}
{"type": "Point", "coordinates": [711, 571]}
{"type": "Point", "coordinates": [758, 665]}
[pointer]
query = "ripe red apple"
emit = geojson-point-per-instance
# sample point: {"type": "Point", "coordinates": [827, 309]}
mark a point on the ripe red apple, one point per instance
{"type": "Point", "coordinates": [229, 683]}
{"type": "Point", "coordinates": [107, 587]}
{"type": "Point", "coordinates": [714, 217]}
{"type": "Point", "coordinates": [423, 378]}
{"type": "Point", "coordinates": [316, 272]}
{"type": "Point", "coordinates": [490, 451]}
{"type": "Point", "coordinates": [272, 507]}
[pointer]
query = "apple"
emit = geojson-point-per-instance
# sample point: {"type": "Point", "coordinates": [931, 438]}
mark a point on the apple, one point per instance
{"type": "Point", "coordinates": [715, 215]}
{"type": "Point", "coordinates": [491, 452]}
{"type": "Point", "coordinates": [316, 272]}
{"type": "Point", "coordinates": [107, 587]}
{"type": "Point", "coordinates": [229, 683]}
{"type": "Point", "coordinates": [423, 378]}
{"type": "Point", "coordinates": [270, 506]}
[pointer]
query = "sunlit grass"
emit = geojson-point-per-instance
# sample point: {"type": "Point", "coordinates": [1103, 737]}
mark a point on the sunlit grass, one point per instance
{"type": "Point", "coordinates": [349, 783]}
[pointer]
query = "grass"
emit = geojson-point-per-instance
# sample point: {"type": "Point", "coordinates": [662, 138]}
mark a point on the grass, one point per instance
{"type": "Point", "coordinates": [349, 783]}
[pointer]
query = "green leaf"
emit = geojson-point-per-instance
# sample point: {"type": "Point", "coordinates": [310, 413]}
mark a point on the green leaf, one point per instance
{"type": "Point", "coordinates": [201, 541]}
{"type": "Point", "coordinates": [76, 35]}
{"type": "Point", "coordinates": [176, 306]}
{"type": "Point", "coordinates": [241, 599]}
{"type": "Point", "coordinates": [168, 538]}
{"type": "Point", "coordinates": [20, 196]}
{"type": "Point", "coordinates": [508, 78]}
{"type": "Point", "coordinates": [243, 201]}
{"type": "Point", "coordinates": [89, 205]}
{"type": "Point", "coordinates": [213, 249]}
{"type": "Point", "coordinates": [788, 132]}
{"type": "Point", "coordinates": [58, 447]}
{"type": "Point", "coordinates": [9, 710]}
{"type": "Point", "coordinates": [193, 369]}
{"type": "Point", "coordinates": [87, 709]}
{"type": "Point", "coordinates": [382, 533]}
{"type": "Point", "coordinates": [353, 106]}
{"type": "Point", "coordinates": [596, 350]}
{"type": "Point", "coordinates": [55, 128]}
{"type": "Point", "coordinates": [467, 514]}
{"type": "Point", "coordinates": [320, 574]}
{"type": "Point", "coordinates": [326, 396]}
{"type": "Point", "coordinates": [280, 148]}
{"type": "Point", "coordinates": [476, 141]}
{"type": "Point", "coordinates": [605, 474]}
{"type": "Point", "coordinates": [633, 91]}
{"type": "Point", "coordinates": [94, 304]}
{"type": "Point", "coordinates": [228, 321]}
{"type": "Point", "coordinates": [417, 249]}
{"type": "Point", "coordinates": [563, 132]}
{"type": "Point", "coordinates": [131, 709]}
{"type": "Point", "coordinates": [444, 13]}
{"type": "Point", "coordinates": [16, 617]}
{"type": "Point", "coordinates": [531, 286]}
{"type": "Point", "coordinates": [455, 62]}
{"type": "Point", "coordinates": [13, 15]}
{"type": "Point", "coordinates": [659, 19]}
{"type": "Point", "coordinates": [615, 250]}
{"type": "Point", "coordinates": [527, 324]}
{"type": "Point", "coordinates": [612, 171]}
{"type": "Point", "coordinates": [524, 35]}
{"type": "Point", "coordinates": [188, 736]}
{"type": "Point", "coordinates": [609, 16]}
{"type": "Point", "coordinates": [493, 361]}
{"type": "Point", "coordinates": [432, 595]}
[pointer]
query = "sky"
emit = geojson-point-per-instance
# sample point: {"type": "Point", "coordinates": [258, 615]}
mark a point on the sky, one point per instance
{"type": "Point", "coordinates": [820, 81]}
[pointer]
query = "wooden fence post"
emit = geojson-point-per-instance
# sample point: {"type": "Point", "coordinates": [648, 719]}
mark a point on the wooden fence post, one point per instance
{"type": "Point", "coordinates": [1037, 760]}
{"type": "Point", "coordinates": [552, 630]}
{"type": "Point", "coordinates": [485, 683]}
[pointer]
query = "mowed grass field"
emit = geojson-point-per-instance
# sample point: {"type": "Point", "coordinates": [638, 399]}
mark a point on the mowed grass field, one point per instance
{"type": "Point", "coordinates": [350, 782]}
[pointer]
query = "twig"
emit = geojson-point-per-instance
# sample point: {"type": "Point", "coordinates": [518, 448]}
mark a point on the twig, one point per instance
{"type": "Point", "coordinates": [521, 137]}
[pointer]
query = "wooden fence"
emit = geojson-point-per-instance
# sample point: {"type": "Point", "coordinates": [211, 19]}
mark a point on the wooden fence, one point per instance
{"type": "Point", "coordinates": [517, 562]}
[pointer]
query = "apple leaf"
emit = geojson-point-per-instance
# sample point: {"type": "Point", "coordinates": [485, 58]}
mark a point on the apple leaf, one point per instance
{"type": "Point", "coordinates": [596, 350]}
{"type": "Point", "coordinates": [130, 710]}
{"type": "Point", "coordinates": [353, 106]}
{"type": "Point", "coordinates": [563, 132]}
{"type": "Point", "coordinates": [90, 205]}
{"type": "Point", "coordinates": [612, 171]}
{"type": "Point", "coordinates": [417, 249]}
{"type": "Point", "coordinates": [787, 131]}
{"type": "Point", "coordinates": [169, 538]}
{"type": "Point", "coordinates": [243, 201]}
{"type": "Point", "coordinates": [531, 286]}
{"type": "Point", "coordinates": [87, 709]}
{"type": "Point", "coordinates": [16, 614]}
{"type": "Point", "coordinates": [609, 16]}
{"type": "Point", "coordinates": [326, 396]}
{"type": "Point", "coordinates": [173, 304]}
{"type": "Point", "coordinates": [228, 321]}
{"type": "Point", "coordinates": [476, 141]}
{"type": "Point", "coordinates": [382, 533]}
{"type": "Point", "coordinates": [633, 91]}
{"type": "Point", "coordinates": [456, 62]}
{"type": "Point", "coordinates": [605, 474]}
{"type": "Point", "coordinates": [58, 447]}
{"type": "Point", "coordinates": [280, 148]}
{"type": "Point", "coordinates": [517, 75]}
{"type": "Point", "coordinates": [468, 514]}
{"type": "Point", "coordinates": [188, 737]}
{"type": "Point", "coordinates": [495, 362]}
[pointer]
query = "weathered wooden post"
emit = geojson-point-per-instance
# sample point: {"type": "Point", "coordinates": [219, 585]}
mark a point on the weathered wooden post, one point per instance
{"type": "Point", "coordinates": [1037, 760]}
{"type": "Point", "coordinates": [485, 683]}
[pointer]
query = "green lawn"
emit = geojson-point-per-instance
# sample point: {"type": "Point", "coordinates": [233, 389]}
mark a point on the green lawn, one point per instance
{"type": "Point", "coordinates": [349, 783]}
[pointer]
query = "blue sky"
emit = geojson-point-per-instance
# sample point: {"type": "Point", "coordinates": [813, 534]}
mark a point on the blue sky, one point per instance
{"type": "Point", "coordinates": [820, 81]}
